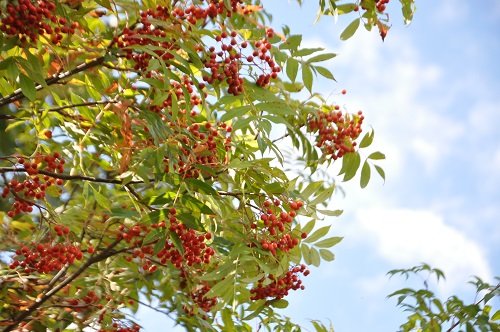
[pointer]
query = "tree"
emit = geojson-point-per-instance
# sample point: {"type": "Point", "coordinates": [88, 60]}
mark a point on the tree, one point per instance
{"type": "Point", "coordinates": [430, 314]}
{"type": "Point", "coordinates": [141, 160]}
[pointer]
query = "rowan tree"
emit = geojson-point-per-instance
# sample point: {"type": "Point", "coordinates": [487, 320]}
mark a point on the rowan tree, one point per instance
{"type": "Point", "coordinates": [141, 159]}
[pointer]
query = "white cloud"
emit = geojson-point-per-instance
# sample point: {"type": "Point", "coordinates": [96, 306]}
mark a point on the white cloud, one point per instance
{"type": "Point", "coordinates": [388, 82]}
{"type": "Point", "coordinates": [484, 118]}
{"type": "Point", "coordinates": [406, 237]}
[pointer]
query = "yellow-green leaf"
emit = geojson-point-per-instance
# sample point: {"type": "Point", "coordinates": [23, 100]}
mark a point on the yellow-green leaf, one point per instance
{"type": "Point", "coordinates": [327, 243]}
{"type": "Point", "coordinates": [28, 87]}
{"type": "Point", "coordinates": [350, 29]}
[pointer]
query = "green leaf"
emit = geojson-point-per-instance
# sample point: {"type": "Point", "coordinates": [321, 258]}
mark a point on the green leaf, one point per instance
{"type": "Point", "coordinates": [306, 51]}
{"type": "Point", "coordinates": [221, 287]}
{"type": "Point", "coordinates": [350, 165]}
{"type": "Point", "coordinates": [319, 233]}
{"type": "Point", "coordinates": [496, 316]}
{"type": "Point", "coordinates": [365, 175]}
{"type": "Point", "coordinates": [321, 57]}
{"type": "Point", "coordinates": [292, 67]}
{"type": "Point", "coordinates": [274, 188]}
{"type": "Point", "coordinates": [177, 242]}
{"type": "Point", "coordinates": [327, 255]}
{"type": "Point", "coordinates": [293, 87]}
{"type": "Point", "coordinates": [307, 76]}
{"type": "Point", "coordinates": [380, 171]}
{"type": "Point", "coordinates": [306, 253]}
{"type": "Point", "coordinates": [326, 73]}
{"type": "Point", "coordinates": [280, 304]}
{"type": "Point", "coordinates": [28, 87]}
{"type": "Point", "coordinates": [408, 8]}
{"type": "Point", "coordinates": [309, 226]}
{"type": "Point", "coordinates": [101, 200]}
{"type": "Point", "coordinates": [323, 196]}
{"type": "Point", "coordinates": [331, 213]}
{"type": "Point", "coordinates": [350, 29]}
{"type": "Point", "coordinates": [315, 258]}
{"type": "Point", "coordinates": [376, 156]}
{"type": "Point", "coordinates": [105, 4]}
{"type": "Point", "coordinates": [195, 205]}
{"type": "Point", "coordinates": [260, 305]}
{"type": "Point", "coordinates": [367, 139]}
{"type": "Point", "coordinates": [227, 319]}
{"type": "Point", "coordinates": [318, 326]}
{"type": "Point", "coordinates": [327, 243]}
{"type": "Point", "coordinates": [201, 186]}
{"type": "Point", "coordinates": [235, 112]}
{"type": "Point", "coordinates": [311, 188]}
{"type": "Point", "coordinates": [191, 221]}
{"type": "Point", "coordinates": [151, 236]}
{"type": "Point", "coordinates": [34, 69]}
{"type": "Point", "coordinates": [345, 8]}
{"type": "Point", "coordinates": [292, 42]}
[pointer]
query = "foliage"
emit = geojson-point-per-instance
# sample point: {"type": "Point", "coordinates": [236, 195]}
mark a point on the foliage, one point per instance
{"type": "Point", "coordinates": [139, 162]}
{"type": "Point", "coordinates": [430, 314]}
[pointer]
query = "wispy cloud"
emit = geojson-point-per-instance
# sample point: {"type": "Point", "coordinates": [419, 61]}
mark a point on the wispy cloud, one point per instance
{"type": "Point", "coordinates": [405, 236]}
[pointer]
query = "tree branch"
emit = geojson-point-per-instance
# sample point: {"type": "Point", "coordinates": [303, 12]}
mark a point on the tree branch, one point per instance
{"type": "Point", "coordinates": [7, 117]}
{"type": "Point", "coordinates": [456, 323]}
{"type": "Point", "coordinates": [90, 103]}
{"type": "Point", "coordinates": [66, 176]}
{"type": "Point", "coordinates": [92, 260]}
{"type": "Point", "coordinates": [18, 94]}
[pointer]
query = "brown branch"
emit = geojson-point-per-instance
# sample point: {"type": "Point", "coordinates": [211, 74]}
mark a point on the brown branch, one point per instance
{"type": "Point", "coordinates": [7, 117]}
{"type": "Point", "coordinates": [286, 134]}
{"type": "Point", "coordinates": [166, 313]}
{"type": "Point", "coordinates": [22, 199]}
{"type": "Point", "coordinates": [67, 176]}
{"type": "Point", "coordinates": [107, 65]}
{"type": "Point", "coordinates": [92, 260]}
{"type": "Point", "coordinates": [455, 324]}
{"type": "Point", "coordinates": [90, 103]}
{"type": "Point", "coordinates": [18, 94]}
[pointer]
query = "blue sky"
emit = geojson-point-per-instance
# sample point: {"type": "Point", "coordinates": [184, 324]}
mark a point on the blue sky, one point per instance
{"type": "Point", "coordinates": [431, 91]}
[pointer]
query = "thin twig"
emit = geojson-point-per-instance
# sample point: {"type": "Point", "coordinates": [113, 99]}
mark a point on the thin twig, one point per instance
{"type": "Point", "coordinates": [67, 176]}
{"type": "Point", "coordinates": [18, 94]}
{"type": "Point", "coordinates": [476, 303]}
{"type": "Point", "coordinates": [32, 308]}
{"type": "Point", "coordinates": [150, 307]}
{"type": "Point", "coordinates": [7, 117]}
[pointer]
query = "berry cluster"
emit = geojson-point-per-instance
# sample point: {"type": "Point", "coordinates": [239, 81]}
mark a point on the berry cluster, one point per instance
{"type": "Point", "coordinates": [179, 89]}
{"type": "Point", "coordinates": [46, 257]}
{"type": "Point", "coordinates": [275, 221]}
{"type": "Point", "coordinates": [118, 327]}
{"type": "Point", "coordinates": [205, 144]}
{"type": "Point", "coordinates": [336, 131]}
{"type": "Point", "coordinates": [35, 185]}
{"type": "Point", "coordinates": [278, 288]}
{"type": "Point", "coordinates": [31, 19]}
{"type": "Point", "coordinates": [142, 253]}
{"type": "Point", "coordinates": [203, 302]}
{"type": "Point", "coordinates": [381, 5]}
{"type": "Point", "coordinates": [128, 234]}
{"type": "Point", "coordinates": [193, 14]}
{"type": "Point", "coordinates": [81, 304]}
{"type": "Point", "coordinates": [225, 64]}
{"type": "Point", "coordinates": [148, 34]}
{"type": "Point", "coordinates": [193, 245]}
